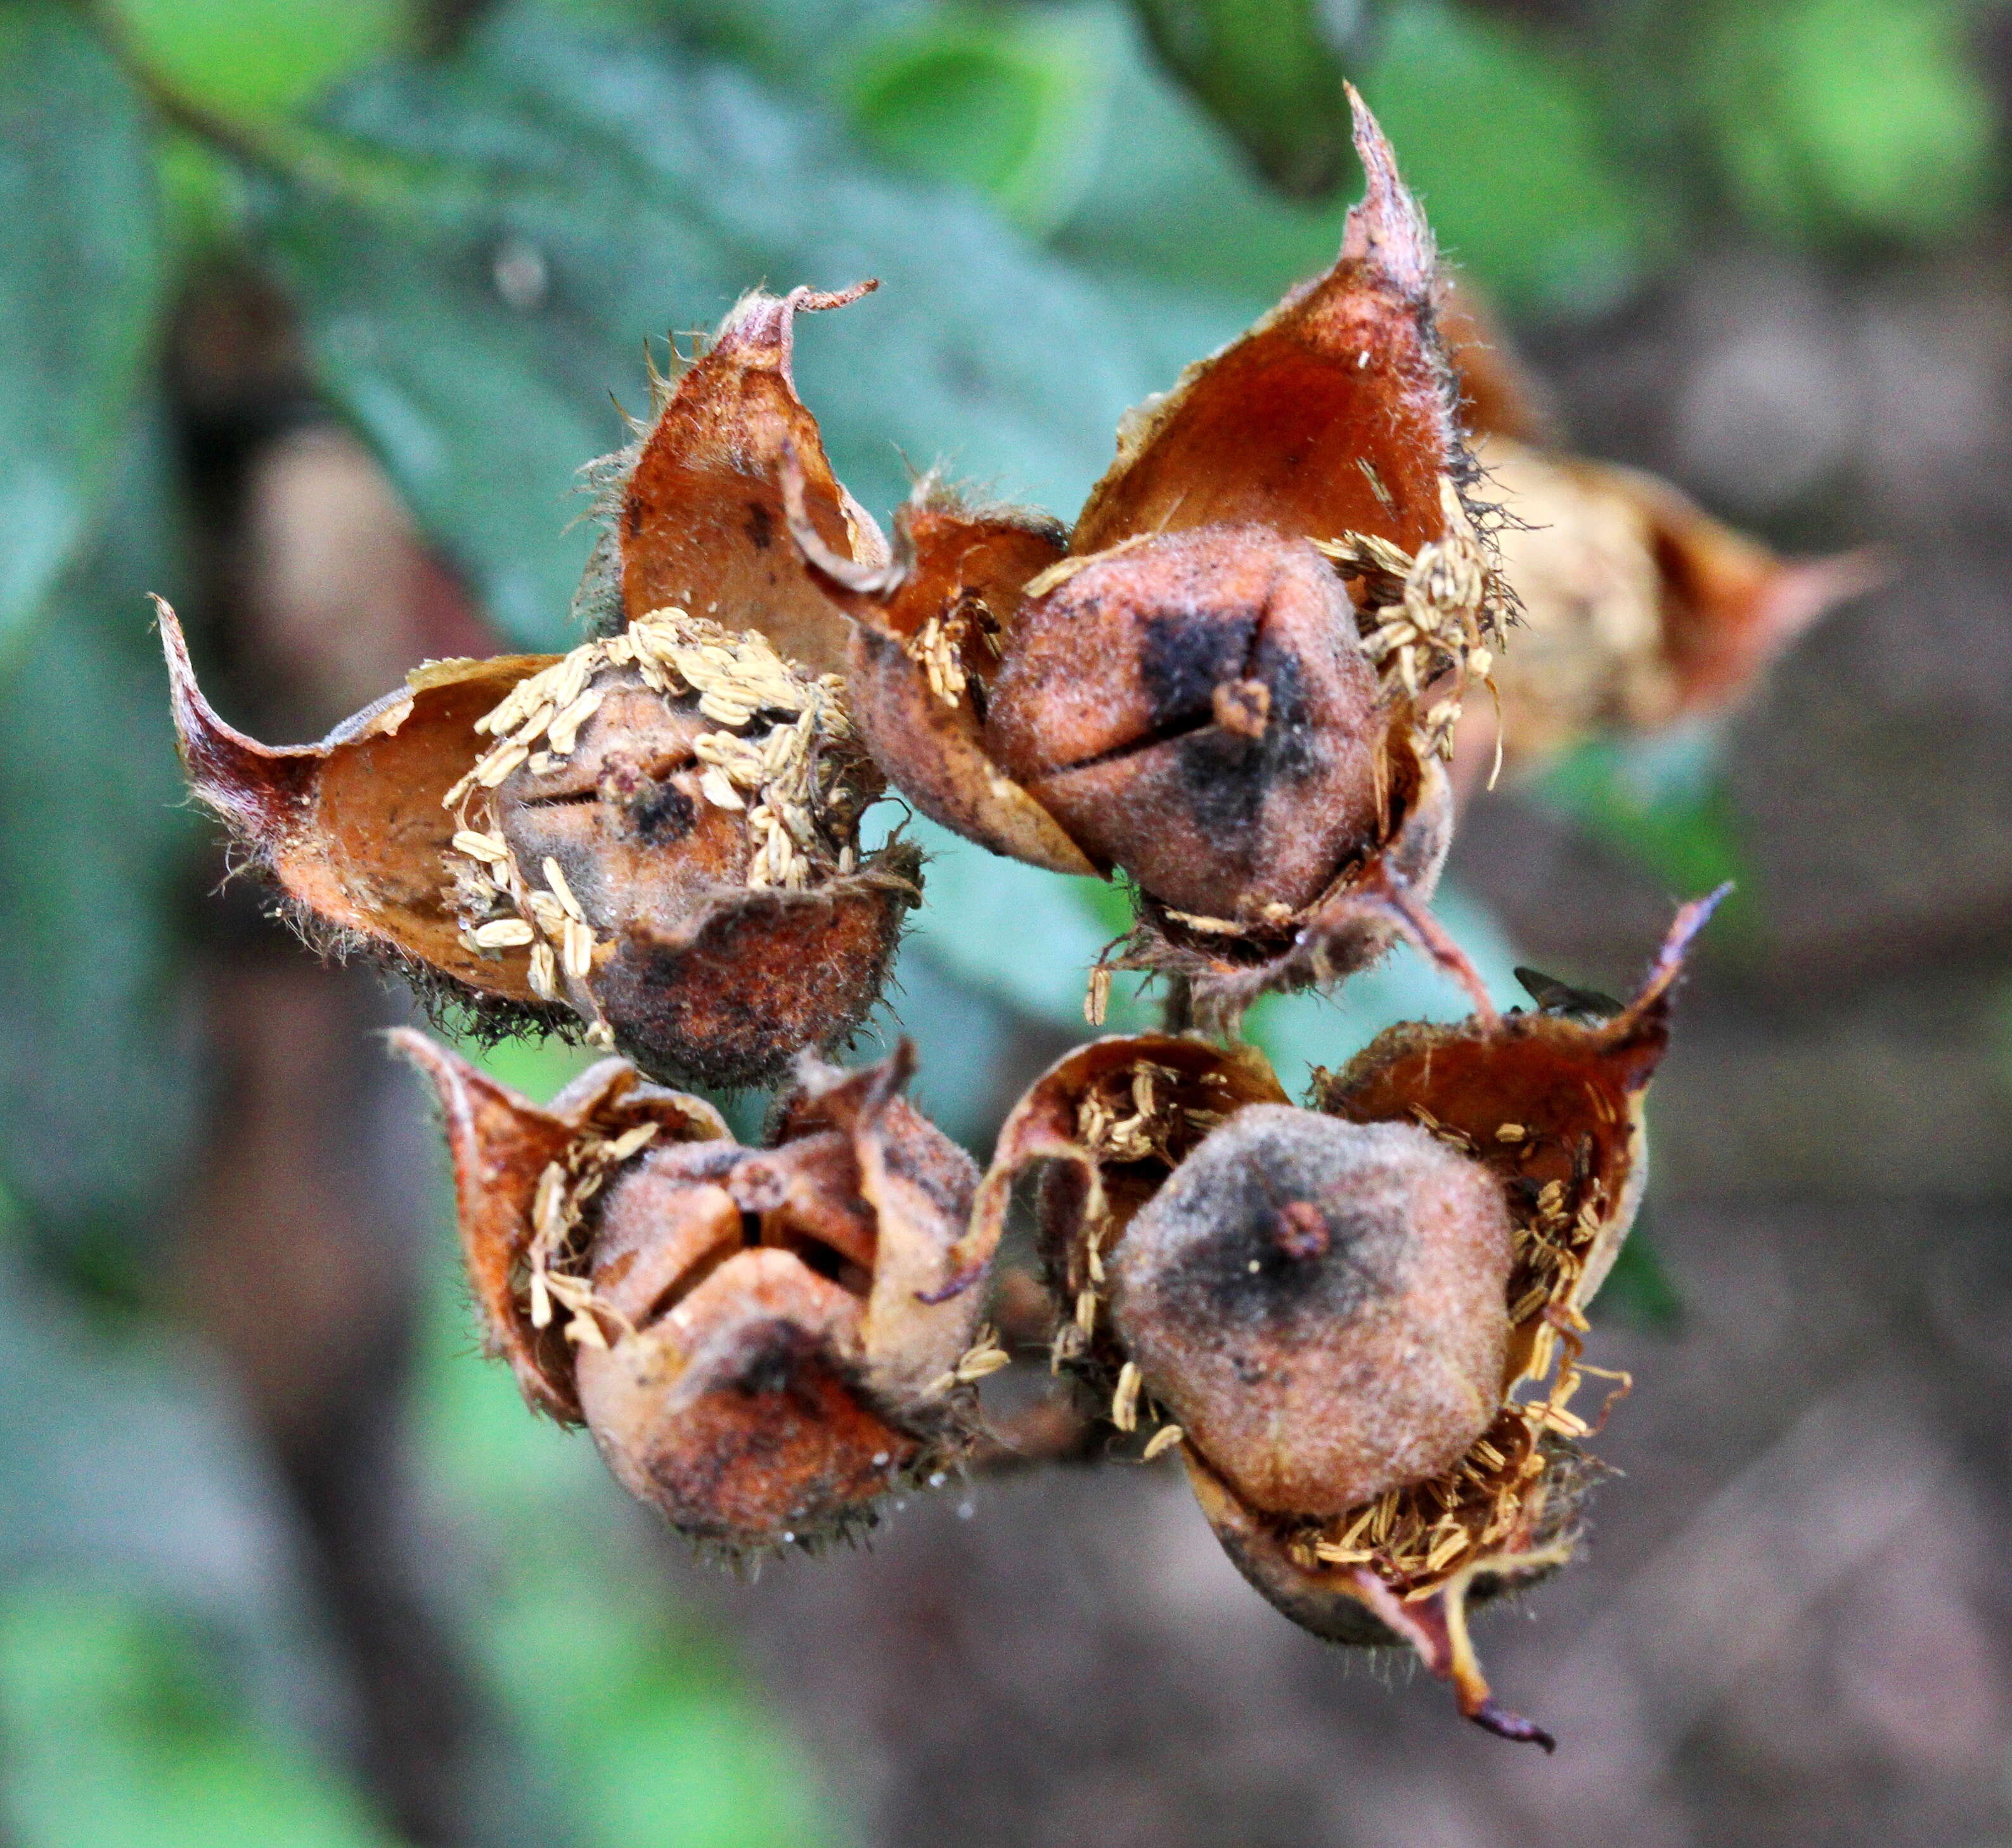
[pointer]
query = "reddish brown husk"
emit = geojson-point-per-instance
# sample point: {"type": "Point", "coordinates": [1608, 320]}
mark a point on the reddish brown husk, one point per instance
{"type": "Point", "coordinates": [745, 1333]}
{"type": "Point", "coordinates": [700, 525]}
{"type": "Point", "coordinates": [1640, 610]}
{"type": "Point", "coordinates": [698, 957]}
{"type": "Point", "coordinates": [1185, 697]}
{"type": "Point", "coordinates": [1199, 711]}
{"type": "Point", "coordinates": [352, 829]}
{"type": "Point", "coordinates": [1404, 1565]}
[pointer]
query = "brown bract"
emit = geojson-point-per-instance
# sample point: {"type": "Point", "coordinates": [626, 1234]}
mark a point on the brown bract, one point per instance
{"type": "Point", "coordinates": [743, 1331]}
{"type": "Point", "coordinates": [1217, 687]}
{"type": "Point", "coordinates": [1364, 1319]}
{"type": "Point", "coordinates": [352, 829]}
{"type": "Point", "coordinates": [700, 525]}
{"type": "Point", "coordinates": [501, 1144]}
{"type": "Point", "coordinates": [1639, 610]}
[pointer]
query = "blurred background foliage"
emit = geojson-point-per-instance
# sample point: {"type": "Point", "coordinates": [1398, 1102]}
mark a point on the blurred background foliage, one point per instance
{"type": "Point", "coordinates": [471, 219]}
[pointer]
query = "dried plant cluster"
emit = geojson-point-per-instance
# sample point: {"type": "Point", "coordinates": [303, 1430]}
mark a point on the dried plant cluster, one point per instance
{"type": "Point", "coordinates": [1238, 682]}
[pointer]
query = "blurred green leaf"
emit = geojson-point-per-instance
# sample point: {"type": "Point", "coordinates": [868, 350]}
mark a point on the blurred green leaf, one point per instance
{"type": "Point", "coordinates": [1639, 1290]}
{"type": "Point", "coordinates": [804, 44]}
{"type": "Point", "coordinates": [1025, 937]}
{"type": "Point", "coordinates": [258, 58]}
{"type": "Point", "coordinates": [118, 1738]}
{"type": "Point", "coordinates": [1501, 135]}
{"type": "Point", "coordinates": [81, 281]}
{"type": "Point", "coordinates": [123, 1463]}
{"type": "Point", "coordinates": [1270, 72]}
{"type": "Point", "coordinates": [1841, 117]}
{"type": "Point", "coordinates": [1010, 102]}
{"type": "Point", "coordinates": [564, 193]}
{"type": "Point", "coordinates": [96, 1094]}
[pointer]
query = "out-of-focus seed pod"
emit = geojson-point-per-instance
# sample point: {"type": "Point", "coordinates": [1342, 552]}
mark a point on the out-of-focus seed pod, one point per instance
{"type": "Point", "coordinates": [653, 839]}
{"type": "Point", "coordinates": [1234, 680]}
{"type": "Point", "coordinates": [754, 1337]}
{"type": "Point", "coordinates": [1639, 610]}
{"type": "Point", "coordinates": [1359, 1323]}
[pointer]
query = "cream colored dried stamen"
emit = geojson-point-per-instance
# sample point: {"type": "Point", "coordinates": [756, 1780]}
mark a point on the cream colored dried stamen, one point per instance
{"type": "Point", "coordinates": [1125, 1399]}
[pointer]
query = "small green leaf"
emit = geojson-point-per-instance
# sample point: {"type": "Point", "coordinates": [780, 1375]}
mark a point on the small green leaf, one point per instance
{"type": "Point", "coordinates": [1270, 72]}
{"type": "Point", "coordinates": [1502, 137]}
{"type": "Point", "coordinates": [81, 282]}
{"type": "Point", "coordinates": [1012, 103]}
{"type": "Point", "coordinates": [551, 197]}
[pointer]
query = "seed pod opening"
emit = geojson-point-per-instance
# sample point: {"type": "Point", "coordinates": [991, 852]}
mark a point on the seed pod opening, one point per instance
{"type": "Point", "coordinates": [1235, 686]}
{"type": "Point", "coordinates": [743, 1331]}
{"type": "Point", "coordinates": [653, 839]}
{"type": "Point", "coordinates": [1321, 1306]}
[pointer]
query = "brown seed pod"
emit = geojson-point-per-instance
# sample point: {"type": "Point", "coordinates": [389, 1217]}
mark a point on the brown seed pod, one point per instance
{"type": "Point", "coordinates": [1361, 1322]}
{"type": "Point", "coordinates": [1639, 610]}
{"type": "Point", "coordinates": [1320, 1305]}
{"type": "Point", "coordinates": [653, 839]}
{"type": "Point", "coordinates": [745, 1332]}
{"type": "Point", "coordinates": [1234, 680]}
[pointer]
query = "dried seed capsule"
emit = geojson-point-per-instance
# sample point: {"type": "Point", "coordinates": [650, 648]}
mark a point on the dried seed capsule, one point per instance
{"type": "Point", "coordinates": [1363, 1318]}
{"type": "Point", "coordinates": [1198, 709]}
{"type": "Point", "coordinates": [1322, 1306]}
{"type": "Point", "coordinates": [654, 838]}
{"type": "Point", "coordinates": [746, 1332]}
{"type": "Point", "coordinates": [1234, 680]}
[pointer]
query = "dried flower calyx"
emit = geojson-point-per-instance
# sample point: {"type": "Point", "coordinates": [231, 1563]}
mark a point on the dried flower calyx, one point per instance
{"type": "Point", "coordinates": [1363, 1318]}
{"type": "Point", "coordinates": [747, 1332]}
{"type": "Point", "coordinates": [1233, 681]}
{"type": "Point", "coordinates": [655, 836]}
{"type": "Point", "coordinates": [1639, 610]}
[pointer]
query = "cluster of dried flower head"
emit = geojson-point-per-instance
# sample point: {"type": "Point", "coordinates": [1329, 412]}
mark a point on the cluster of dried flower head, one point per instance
{"type": "Point", "coordinates": [1238, 681]}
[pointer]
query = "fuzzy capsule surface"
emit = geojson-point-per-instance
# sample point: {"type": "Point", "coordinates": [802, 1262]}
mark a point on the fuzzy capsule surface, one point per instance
{"type": "Point", "coordinates": [730, 1398]}
{"type": "Point", "coordinates": [1196, 709]}
{"type": "Point", "coordinates": [773, 1368]}
{"type": "Point", "coordinates": [701, 969]}
{"type": "Point", "coordinates": [760, 1341]}
{"type": "Point", "coordinates": [1321, 1306]}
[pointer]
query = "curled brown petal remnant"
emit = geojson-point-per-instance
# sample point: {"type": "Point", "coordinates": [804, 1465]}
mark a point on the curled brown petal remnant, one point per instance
{"type": "Point", "coordinates": [1640, 609]}
{"type": "Point", "coordinates": [1362, 1320]}
{"type": "Point", "coordinates": [1234, 683]}
{"type": "Point", "coordinates": [352, 829]}
{"type": "Point", "coordinates": [700, 524]}
{"type": "Point", "coordinates": [1334, 413]}
{"type": "Point", "coordinates": [740, 1329]}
